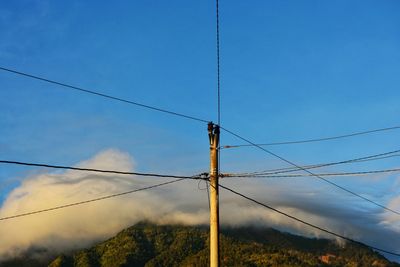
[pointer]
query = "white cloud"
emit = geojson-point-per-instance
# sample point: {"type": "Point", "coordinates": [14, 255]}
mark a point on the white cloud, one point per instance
{"type": "Point", "coordinates": [181, 202]}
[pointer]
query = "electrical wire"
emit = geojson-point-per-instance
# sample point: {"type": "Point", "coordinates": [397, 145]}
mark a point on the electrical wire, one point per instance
{"type": "Point", "coordinates": [103, 95]}
{"type": "Point", "coordinates": [92, 170]}
{"type": "Point", "coordinates": [314, 166]}
{"type": "Point", "coordinates": [309, 175]}
{"type": "Point", "coordinates": [208, 195]}
{"type": "Point", "coordinates": [307, 223]}
{"type": "Point", "coordinates": [292, 169]}
{"type": "Point", "coordinates": [208, 191]}
{"type": "Point", "coordinates": [316, 139]}
{"type": "Point", "coordinates": [309, 172]}
{"type": "Point", "coordinates": [218, 83]}
{"type": "Point", "coordinates": [90, 200]}
{"type": "Point", "coordinates": [218, 65]}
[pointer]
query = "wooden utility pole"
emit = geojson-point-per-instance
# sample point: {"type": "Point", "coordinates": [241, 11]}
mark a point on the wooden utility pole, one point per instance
{"type": "Point", "coordinates": [213, 134]}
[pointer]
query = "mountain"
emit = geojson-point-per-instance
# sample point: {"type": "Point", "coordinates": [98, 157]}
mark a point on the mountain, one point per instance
{"type": "Point", "coordinates": [146, 244]}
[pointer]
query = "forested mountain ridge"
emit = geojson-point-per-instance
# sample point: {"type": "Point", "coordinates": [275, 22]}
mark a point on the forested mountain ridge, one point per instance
{"type": "Point", "coordinates": [146, 244]}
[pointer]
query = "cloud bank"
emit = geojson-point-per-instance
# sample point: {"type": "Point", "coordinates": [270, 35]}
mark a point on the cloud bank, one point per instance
{"type": "Point", "coordinates": [181, 202]}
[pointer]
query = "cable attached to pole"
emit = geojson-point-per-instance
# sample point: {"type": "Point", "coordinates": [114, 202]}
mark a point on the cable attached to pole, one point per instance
{"type": "Point", "coordinates": [313, 174]}
{"type": "Point", "coordinates": [316, 139]}
{"type": "Point", "coordinates": [103, 95]}
{"type": "Point", "coordinates": [307, 223]}
{"type": "Point", "coordinates": [92, 170]}
{"type": "Point", "coordinates": [88, 201]}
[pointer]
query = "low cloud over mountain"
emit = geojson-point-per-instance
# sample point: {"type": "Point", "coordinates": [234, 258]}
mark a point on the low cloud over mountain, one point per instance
{"type": "Point", "coordinates": [181, 202]}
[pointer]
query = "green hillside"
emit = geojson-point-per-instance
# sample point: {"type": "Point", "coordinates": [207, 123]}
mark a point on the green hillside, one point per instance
{"type": "Point", "coordinates": [151, 245]}
{"type": "Point", "coordinates": [147, 244]}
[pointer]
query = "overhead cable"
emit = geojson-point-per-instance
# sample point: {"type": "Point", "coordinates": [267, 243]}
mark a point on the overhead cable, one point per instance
{"type": "Point", "coordinates": [103, 95]}
{"type": "Point", "coordinates": [313, 174]}
{"type": "Point", "coordinates": [293, 169]}
{"type": "Point", "coordinates": [218, 66]}
{"type": "Point", "coordinates": [307, 223]}
{"type": "Point", "coordinates": [308, 175]}
{"type": "Point", "coordinates": [94, 170]}
{"type": "Point", "coordinates": [89, 200]}
{"type": "Point", "coordinates": [314, 166]}
{"type": "Point", "coordinates": [316, 139]}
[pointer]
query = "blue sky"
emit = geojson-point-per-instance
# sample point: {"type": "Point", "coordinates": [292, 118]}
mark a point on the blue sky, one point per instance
{"type": "Point", "coordinates": [289, 70]}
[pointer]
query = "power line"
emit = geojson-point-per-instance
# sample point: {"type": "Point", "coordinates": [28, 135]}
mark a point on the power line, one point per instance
{"type": "Point", "coordinates": [97, 170]}
{"type": "Point", "coordinates": [292, 169]}
{"type": "Point", "coordinates": [103, 95]}
{"type": "Point", "coordinates": [314, 166]}
{"type": "Point", "coordinates": [308, 175]}
{"type": "Point", "coordinates": [218, 66]}
{"type": "Point", "coordinates": [316, 139]}
{"type": "Point", "coordinates": [90, 200]}
{"type": "Point", "coordinates": [207, 189]}
{"type": "Point", "coordinates": [309, 172]}
{"type": "Point", "coordinates": [218, 88]}
{"type": "Point", "coordinates": [307, 223]}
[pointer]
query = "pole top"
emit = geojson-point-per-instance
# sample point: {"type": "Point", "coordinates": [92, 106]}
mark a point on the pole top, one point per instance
{"type": "Point", "coordinates": [210, 126]}
{"type": "Point", "coordinates": [216, 129]}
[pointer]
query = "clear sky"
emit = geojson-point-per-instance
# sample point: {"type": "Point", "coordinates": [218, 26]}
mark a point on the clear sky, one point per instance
{"type": "Point", "coordinates": [289, 70]}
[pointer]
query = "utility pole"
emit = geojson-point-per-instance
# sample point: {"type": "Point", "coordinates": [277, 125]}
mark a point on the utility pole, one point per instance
{"type": "Point", "coordinates": [213, 134]}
